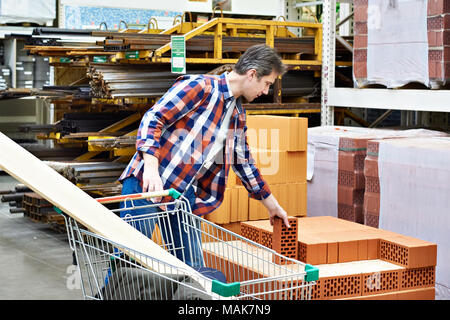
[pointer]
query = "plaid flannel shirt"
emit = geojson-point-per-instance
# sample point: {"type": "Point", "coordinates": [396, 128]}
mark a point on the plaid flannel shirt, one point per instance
{"type": "Point", "coordinates": [180, 129]}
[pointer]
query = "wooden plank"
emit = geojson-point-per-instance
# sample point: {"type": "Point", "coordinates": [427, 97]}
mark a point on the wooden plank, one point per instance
{"type": "Point", "coordinates": [56, 189]}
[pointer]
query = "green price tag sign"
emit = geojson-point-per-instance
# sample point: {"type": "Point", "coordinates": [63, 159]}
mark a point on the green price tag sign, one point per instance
{"type": "Point", "coordinates": [100, 59]}
{"type": "Point", "coordinates": [178, 58]}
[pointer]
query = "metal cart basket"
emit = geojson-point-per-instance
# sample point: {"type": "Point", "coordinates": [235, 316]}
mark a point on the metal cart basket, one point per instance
{"type": "Point", "coordinates": [228, 265]}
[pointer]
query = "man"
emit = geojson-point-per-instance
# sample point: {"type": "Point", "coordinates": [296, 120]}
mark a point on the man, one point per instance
{"type": "Point", "coordinates": [189, 139]}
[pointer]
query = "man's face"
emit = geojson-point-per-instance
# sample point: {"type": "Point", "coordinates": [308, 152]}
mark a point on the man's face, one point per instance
{"type": "Point", "coordinates": [255, 87]}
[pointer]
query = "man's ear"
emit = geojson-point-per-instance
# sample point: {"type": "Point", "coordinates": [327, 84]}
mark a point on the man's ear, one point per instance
{"type": "Point", "coordinates": [251, 73]}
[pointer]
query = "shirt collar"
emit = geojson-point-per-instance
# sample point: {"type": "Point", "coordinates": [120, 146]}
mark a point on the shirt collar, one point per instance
{"type": "Point", "coordinates": [228, 94]}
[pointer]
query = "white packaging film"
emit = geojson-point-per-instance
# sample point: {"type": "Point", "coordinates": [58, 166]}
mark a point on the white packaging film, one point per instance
{"type": "Point", "coordinates": [397, 42]}
{"type": "Point", "coordinates": [415, 196]}
{"type": "Point", "coordinates": [323, 161]}
{"type": "Point", "coordinates": [33, 11]}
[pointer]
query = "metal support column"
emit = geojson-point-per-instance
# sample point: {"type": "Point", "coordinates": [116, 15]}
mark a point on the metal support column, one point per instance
{"type": "Point", "coordinates": [328, 60]}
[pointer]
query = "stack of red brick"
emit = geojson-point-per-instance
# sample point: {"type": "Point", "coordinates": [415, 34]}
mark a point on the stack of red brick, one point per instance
{"type": "Point", "coordinates": [332, 242]}
{"type": "Point", "coordinates": [352, 152]}
{"type": "Point", "coordinates": [438, 30]}
{"type": "Point", "coordinates": [358, 186]}
{"type": "Point", "coordinates": [371, 210]}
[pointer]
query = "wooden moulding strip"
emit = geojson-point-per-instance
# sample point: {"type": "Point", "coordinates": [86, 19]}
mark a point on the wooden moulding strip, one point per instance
{"type": "Point", "coordinates": [77, 204]}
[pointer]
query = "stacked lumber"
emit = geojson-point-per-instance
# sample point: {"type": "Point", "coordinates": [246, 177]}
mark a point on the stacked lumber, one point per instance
{"type": "Point", "coordinates": [354, 261]}
{"type": "Point", "coordinates": [202, 43]}
{"type": "Point", "coordinates": [278, 148]}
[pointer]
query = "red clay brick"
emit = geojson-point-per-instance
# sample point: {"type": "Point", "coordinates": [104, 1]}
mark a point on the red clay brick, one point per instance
{"type": "Point", "coordinates": [348, 251]}
{"type": "Point", "coordinates": [373, 249]}
{"type": "Point", "coordinates": [351, 161]}
{"type": "Point", "coordinates": [251, 232]}
{"type": "Point", "coordinates": [360, 69]}
{"type": "Point", "coordinates": [353, 179]}
{"type": "Point", "coordinates": [360, 13]}
{"type": "Point", "coordinates": [360, 28]}
{"type": "Point", "coordinates": [362, 249]}
{"type": "Point", "coordinates": [381, 282]}
{"type": "Point", "coordinates": [352, 213]}
{"type": "Point", "coordinates": [360, 41]}
{"type": "Point", "coordinates": [372, 202]}
{"type": "Point", "coordinates": [418, 278]}
{"type": "Point", "coordinates": [371, 167]}
{"type": "Point", "coordinates": [340, 287]}
{"type": "Point", "coordinates": [371, 219]}
{"type": "Point", "coordinates": [408, 252]}
{"type": "Point", "coordinates": [350, 196]}
{"type": "Point", "coordinates": [332, 252]}
{"type": "Point", "coordinates": [312, 250]}
{"type": "Point", "coordinates": [285, 240]}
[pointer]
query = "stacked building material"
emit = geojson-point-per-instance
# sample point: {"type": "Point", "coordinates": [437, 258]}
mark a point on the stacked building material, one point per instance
{"type": "Point", "coordinates": [14, 197]}
{"type": "Point", "coordinates": [79, 122]}
{"type": "Point", "coordinates": [38, 209]}
{"type": "Point", "coordinates": [201, 43]}
{"type": "Point", "coordinates": [438, 28]}
{"type": "Point", "coordinates": [415, 169]}
{"type": "Point", "coordinates": [120, 81]}
{"type": "Point", "coordinates": [56, 153]}
{"type": "Point", "coordinates": [89, 173]}
{"type": "Point", "coordinates": [352, 152]}
{"type": "Point", "coordinates": [438, 31]}
{"type": "Point", "coordinates": [278, 148]}
{"type": "Point", "coordinates": [371, 209]}
{"type": "Point", "coordinates": [336, 180]}
{"type": "Point", "coordinates": [355, 261]}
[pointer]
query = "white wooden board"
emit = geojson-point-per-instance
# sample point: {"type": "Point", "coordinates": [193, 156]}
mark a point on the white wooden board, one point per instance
{"type": "Point", "coordinates": [56, 189]}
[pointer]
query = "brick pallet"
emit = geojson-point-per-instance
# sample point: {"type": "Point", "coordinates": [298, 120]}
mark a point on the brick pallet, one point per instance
{"type": "Point", "coordinates": [414, 169]}
{"type": "Point", "coordinates": [351, 145]}
{"type": "Point", "coordinates": [354, 260]}
{"type": "Point", "coordinates": [438, 30]}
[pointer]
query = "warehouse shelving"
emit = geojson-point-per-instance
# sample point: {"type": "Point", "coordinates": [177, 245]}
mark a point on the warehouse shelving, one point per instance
{"type": "Point", "coordinates": [363, 98]}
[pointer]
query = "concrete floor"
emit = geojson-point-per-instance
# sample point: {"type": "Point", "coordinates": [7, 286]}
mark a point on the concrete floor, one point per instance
{"type": "Point", "coordinates": [36, 261]}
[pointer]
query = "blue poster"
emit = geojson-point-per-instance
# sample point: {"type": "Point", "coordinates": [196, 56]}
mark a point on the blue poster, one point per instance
{"type": "Point", "coordinates": [77, 17]}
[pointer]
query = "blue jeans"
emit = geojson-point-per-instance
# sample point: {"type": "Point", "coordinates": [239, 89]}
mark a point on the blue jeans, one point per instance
{"type": "Point", "coordinates": [186, 246]}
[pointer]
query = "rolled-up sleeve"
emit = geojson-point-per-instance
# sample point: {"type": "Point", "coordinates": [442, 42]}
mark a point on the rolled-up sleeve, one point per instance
{"type": "Point", "coordinates": [244, 167]}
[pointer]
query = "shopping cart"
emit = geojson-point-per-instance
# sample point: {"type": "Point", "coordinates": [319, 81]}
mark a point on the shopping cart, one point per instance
{"type": "Point", "coordinates": [227, 265]}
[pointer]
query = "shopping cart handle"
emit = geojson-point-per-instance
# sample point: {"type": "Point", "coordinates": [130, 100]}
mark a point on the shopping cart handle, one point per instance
{"type": "Point", "coordinates": [312, 273]}
{"type": "Point", "coordinates": [226, 289]}
{"type": "Point", "coordinates": [145, 195]}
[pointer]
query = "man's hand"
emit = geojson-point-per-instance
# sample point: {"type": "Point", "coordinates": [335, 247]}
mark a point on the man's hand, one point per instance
{"type": "Point", "coordinates": [275, 210]}
{"type": "Point", "coordinates": [151, 180]}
